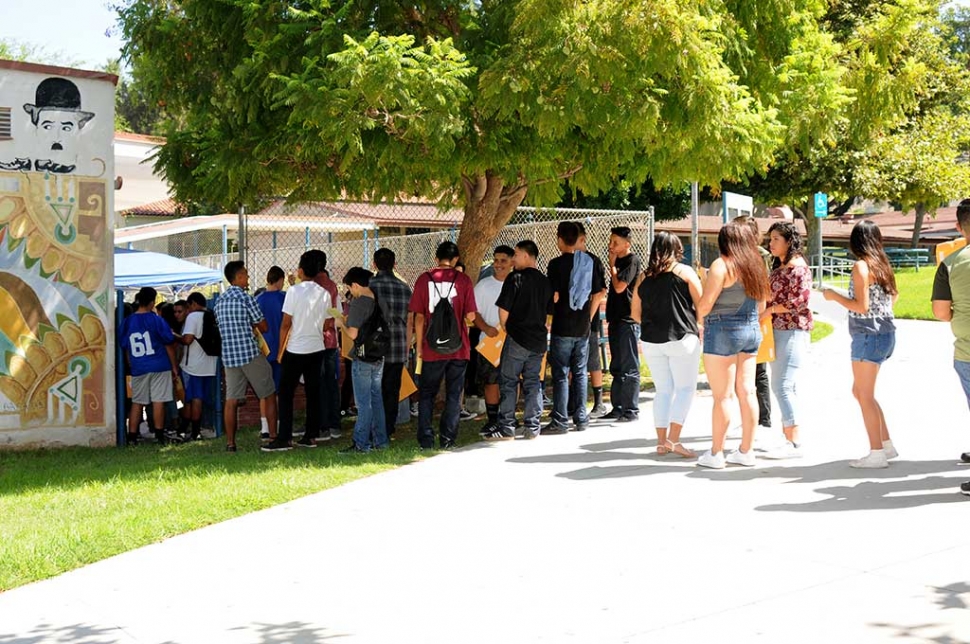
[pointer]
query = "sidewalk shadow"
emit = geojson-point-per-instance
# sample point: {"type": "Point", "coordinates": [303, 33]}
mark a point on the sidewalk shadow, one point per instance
{"type": "Point", "coordinates": [831, 471]}
{"type": "Point", "coordinates": [608, 452]}
{"type": "Point", "coordinates": [876, 495]}
{"type": "Point", "coordinates": [74, 633]}
{"type": "Point", "coordinates": [287, 633]}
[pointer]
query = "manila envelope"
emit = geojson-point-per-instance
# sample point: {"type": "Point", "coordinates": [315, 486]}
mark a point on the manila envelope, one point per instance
{"type": "Point", "coordinates": [766, 352]}
{"type": "Point", "coordinates": [407, 385]}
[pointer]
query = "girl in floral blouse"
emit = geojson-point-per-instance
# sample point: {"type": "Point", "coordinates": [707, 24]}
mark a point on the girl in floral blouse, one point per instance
{"type": "Point", "coordinates": [791, 321]}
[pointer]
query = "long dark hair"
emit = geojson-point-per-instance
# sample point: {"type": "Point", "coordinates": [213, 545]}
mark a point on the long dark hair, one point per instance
{"type": "Point", "coordinates": [790, 234]}
{"type": "Point", "coordinates": [738, 247]}
{"type": "Point", "coordinates": [665, 251]}
{"type": "Point", "coordinates": [865, 242]}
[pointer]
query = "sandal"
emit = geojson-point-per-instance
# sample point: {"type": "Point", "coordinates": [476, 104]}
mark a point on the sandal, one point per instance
{"type": "Point", "coordinates": [663, 448]}
{"type": "Point", "coordinates": [682, 451]}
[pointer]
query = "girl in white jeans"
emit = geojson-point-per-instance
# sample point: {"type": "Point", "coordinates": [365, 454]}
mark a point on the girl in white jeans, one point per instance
{"type": "Point", "coordinates": [791, 321]}
{"type": "Point", "coordinates": [665, 304]}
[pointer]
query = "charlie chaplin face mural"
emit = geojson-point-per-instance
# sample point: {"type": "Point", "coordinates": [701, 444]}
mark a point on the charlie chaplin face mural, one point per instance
{"type": "Point", "coordinates": [58, 117]}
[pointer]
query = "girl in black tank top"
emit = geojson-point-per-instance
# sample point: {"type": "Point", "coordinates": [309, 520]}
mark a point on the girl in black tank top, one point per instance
{"type": "Point", "coordinates": [667, 309]}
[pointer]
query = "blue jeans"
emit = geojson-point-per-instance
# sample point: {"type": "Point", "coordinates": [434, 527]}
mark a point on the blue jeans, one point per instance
{"type": "Point", "coordinates": [329, 380]}
{"type": "Point", "coordinates": [673, 366]}
{"type": "Point", "coordinates": [519, 361]}
{"type": "Point", "coordinates": [369, 430]}
{"type": "Point", "coordinates": [432, 372]}
{"type": "Point", "coordinates": [729, 334]}
{"type": "Point", "coordinates": [569, 355]}
{"type": "Point", "coordinates": [963, 370]}
{"type": "Point", "coordinates": [790, 349]}
{"type": "Point", "coordinates": [625, 367]}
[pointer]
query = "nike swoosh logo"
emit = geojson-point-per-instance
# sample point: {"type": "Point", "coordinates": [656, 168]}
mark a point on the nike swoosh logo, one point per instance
{"type": "Point", "coordinates": [441, 341]}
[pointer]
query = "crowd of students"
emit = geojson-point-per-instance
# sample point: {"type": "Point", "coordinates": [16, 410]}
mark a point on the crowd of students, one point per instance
{"type": "Point", "coordinates": [665, 305]}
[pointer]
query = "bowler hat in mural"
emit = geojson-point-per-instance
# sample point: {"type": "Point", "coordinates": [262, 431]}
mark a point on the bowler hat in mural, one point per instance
{"type": "Point", "coordinates": [57, 94]}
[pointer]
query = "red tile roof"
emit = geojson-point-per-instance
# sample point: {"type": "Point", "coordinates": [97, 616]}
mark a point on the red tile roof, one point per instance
{"type": "Point", "coordinates": [163, 208]}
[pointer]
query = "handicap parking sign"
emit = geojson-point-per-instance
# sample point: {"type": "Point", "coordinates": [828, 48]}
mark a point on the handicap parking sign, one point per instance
{"type": "Point", "coordinates": [821, 204]}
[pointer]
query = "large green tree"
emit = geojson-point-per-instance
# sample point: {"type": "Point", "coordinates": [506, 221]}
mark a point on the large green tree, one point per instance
{"type": "Point", "coordinates": [903, 135]}
{"type": "Point", "coordinates": [482, 103]}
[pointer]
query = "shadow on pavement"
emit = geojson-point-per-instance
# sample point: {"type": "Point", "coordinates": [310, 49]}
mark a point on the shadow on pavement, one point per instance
{"type": "Point", "coordinates": [878, 495]}
{"type": "Point", "coordinates": [919, 633]}
{"type": "Point", "coordinates": [831, 471]}
{"type": "Point", "coordinates": [288, 633]}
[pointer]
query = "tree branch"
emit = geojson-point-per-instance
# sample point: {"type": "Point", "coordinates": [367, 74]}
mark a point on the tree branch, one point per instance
{"type": "Point", "coordinates": [524, 185]}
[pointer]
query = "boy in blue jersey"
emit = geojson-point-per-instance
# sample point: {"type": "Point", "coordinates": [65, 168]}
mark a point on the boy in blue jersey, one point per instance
{"type": "Point", "coordinates": [150, 352]}
{"type": "Point", "coordinates": [271, 304]}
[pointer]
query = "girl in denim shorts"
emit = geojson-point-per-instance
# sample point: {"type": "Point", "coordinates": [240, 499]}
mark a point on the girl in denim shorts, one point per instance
{"type": "Point", "coordinates": [734, 297]}
{"type": "Point", "coordinates": [872, 293]}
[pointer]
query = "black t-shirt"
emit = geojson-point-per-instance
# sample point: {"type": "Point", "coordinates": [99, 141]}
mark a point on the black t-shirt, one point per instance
{"type": "Point", "coordinates": [618, 304]}
{"type": "Point", "coordinates": [526, 296]}
{"type": "Point", "coordinates": [565, 321]}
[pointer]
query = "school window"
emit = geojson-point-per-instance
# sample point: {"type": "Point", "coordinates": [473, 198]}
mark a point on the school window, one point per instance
{"type": "Point", "coordinates": [6, 130]}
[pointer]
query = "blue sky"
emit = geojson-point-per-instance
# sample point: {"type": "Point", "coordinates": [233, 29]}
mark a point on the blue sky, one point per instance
{"type": "Point", "coordinates": [72, 30]}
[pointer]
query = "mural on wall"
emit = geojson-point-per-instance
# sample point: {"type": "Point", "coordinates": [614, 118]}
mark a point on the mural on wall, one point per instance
{"type": "Point", "coordinates": [54, 249]}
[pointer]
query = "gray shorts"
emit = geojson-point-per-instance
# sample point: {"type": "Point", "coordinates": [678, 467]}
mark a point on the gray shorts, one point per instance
{"type": "Point", "coordinates": [155, 387]}
{"type": "Point", "coordinates": [257, 373]}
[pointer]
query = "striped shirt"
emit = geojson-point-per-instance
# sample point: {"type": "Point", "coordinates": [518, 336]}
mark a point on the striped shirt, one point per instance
{"type": "Point", "coordinates": [236, 313]}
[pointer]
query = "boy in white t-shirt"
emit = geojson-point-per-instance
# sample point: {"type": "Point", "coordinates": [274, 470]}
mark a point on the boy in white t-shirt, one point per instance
{"type": "Point", "coordinates": [305, 309]}
{"type": "Point", "coordinates": [198, 367]}
{"type": "Point", "coordinates": [486, 294]}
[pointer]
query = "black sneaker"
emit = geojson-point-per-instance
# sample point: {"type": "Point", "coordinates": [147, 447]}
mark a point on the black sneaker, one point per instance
{"type": "Point", "coordinates": [965, 488]}
{"type": "Point", "coordinates": [277, 446]}
{"type": "Point", "coordinates": [496, 434]}
{"type": "Point", "coordinates": [965, 458]}
{"type": "Point", "coordinates": [628, 418]}
{"type": "Point", "coordinates": [350, 451]}
{"type": "Point", "coordinates": [465, 415]}
{"type": "Point", "coordinates": [554, 429]}
{"type": "Point", "coordinates": [264, 436]}
{"type": "Point", "coordinates": [306, 442]}
{"type": "Point", "coordinates": [231, 448]}
{"type": "Point", "coordinates": [615, 414]}
{"type": "Point", "coordinates": [580, 427]}
{"type": "Point", "coordinates": [487, 428]}
{"type": "Point", "coordinates": [131, 439]}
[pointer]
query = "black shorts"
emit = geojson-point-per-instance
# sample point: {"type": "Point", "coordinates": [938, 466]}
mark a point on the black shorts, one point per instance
{"type": "Point", "coordinates": [593, 362]}
{"type": "Point", "coordinates": [487, 373]}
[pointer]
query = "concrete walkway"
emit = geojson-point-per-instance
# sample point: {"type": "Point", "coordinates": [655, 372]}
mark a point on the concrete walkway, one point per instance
{"type": "Point", "coordinates": [581, 538]}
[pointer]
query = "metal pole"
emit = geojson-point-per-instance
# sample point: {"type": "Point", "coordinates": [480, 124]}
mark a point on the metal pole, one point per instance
{"type": "Point", "coordinates": [306, 238]}
{"type": "Point", "coordinates": [121, 393]}
{"type": "Point", "coordinates": [274, 246]}
{"type": "Point", "coordinates": [242, 240]}
{"type": "Point", "coordinates": [694, 210]}
{"type": "Point", "coordinates": [650, 228]}
{"type": "Point", "coordinates": [366, 248]}
{"type": "Point", "coordinates": [225, 244]}
{"type": "Point", "coordinates": [818, 244]}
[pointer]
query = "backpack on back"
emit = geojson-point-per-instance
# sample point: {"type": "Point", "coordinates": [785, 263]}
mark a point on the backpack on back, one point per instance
{"type": "Point", "coordinates": [372, 340]}
{"type": "Point", "coordinates": [211, 339]}
{"type": "Point", "coordinates": [443, 334]}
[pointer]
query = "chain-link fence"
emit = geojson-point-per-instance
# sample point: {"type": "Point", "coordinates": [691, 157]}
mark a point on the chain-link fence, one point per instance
{"type": "Point", "coordinates": [349, 233]}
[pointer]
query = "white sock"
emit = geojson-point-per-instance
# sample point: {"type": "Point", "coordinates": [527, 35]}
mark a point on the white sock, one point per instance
{"type": "Point", "coordinates": [264, 425]}
{"type": "Point", "coordinates": [877, 452]}
{"type": "Point", "coordinates": [887, 444]}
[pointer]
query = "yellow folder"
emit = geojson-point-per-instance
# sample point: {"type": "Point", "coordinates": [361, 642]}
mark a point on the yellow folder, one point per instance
{"type": "Point", "coordinates": [407, 385]}
{"type": "Point", "coordinates": [491, 348]}
{"type": "Point", "coordinates": [766, 352]}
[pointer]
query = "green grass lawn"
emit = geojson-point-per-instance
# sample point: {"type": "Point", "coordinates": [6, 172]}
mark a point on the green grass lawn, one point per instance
{"type": "Point", "coordinates": [914, 293]}
{"type": "Point", "coordinates": [821, 330]}
{"type": "Point", "coordinates": [65, 508]}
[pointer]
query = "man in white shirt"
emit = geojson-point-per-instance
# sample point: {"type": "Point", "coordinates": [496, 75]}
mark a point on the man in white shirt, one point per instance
{"type": "Point", "coordinates": [487, 320]}
{"type": "Point", "coordinates": [198, 367]}
{"type": "Point", "coordinates": [305, 309]}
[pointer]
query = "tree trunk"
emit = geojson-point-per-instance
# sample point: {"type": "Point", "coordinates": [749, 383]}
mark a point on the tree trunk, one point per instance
{"type": "Point", "coordinates": [489, 205]}
{"type": "Point", "coordinates": [918, 224]}
{"type": "Point", "coordinates": [812, 223]}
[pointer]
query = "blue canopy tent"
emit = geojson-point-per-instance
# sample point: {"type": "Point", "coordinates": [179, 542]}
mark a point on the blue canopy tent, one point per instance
{"type": "Point", "coordinates": [135, 269]}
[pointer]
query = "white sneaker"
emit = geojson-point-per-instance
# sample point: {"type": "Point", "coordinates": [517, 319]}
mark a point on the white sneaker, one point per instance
{"type": "Point", "coordinates": [783, 451]}
{"type": "Point", "coordinates": [713, 461]}
{"type": "Point", "coordinates": [889, 450]}
{"type": "Point", "coordinates": [876, 459]}
{"type": "Point", "coordinates": [737, 457]}
{"type": "Point", "coordinates": [767, 439]}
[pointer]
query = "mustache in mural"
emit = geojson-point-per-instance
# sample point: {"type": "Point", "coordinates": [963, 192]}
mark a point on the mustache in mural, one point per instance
{"type": "Point", "coordinates": [57, 146]}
